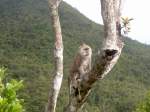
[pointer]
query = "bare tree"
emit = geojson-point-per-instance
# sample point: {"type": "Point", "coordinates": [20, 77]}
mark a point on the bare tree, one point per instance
{"type": "Point", "coordinates": [81, 82]}
{"type": "Point", "coordinates": [58, 55]}
{"type": "Point", "coordinates": [105, 60]}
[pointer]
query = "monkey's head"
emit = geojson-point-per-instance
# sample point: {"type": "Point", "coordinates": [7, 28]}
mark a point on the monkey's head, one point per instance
{"type": "Point", "coordinates": [85, 50]}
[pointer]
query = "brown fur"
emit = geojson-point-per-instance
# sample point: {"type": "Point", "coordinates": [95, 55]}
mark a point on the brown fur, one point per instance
{"type": "Point", "coordinates": [81, 65]}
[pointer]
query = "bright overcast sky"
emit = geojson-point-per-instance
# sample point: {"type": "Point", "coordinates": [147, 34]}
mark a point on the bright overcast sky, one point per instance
{"type": "Point", "coordinates": [137, 9]}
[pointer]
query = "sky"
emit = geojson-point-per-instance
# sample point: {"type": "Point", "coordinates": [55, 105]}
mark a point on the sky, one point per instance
{"type": "Point", "coordinates": [137, 9]}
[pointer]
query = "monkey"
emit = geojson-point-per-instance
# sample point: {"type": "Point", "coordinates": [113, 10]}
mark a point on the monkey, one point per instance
{"type": "Point", "coordinates": [82, 61]}
{"type": "Point", "coordinates": [80, 67]}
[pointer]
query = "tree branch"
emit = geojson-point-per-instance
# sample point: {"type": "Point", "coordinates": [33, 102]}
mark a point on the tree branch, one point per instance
{"type": "Point", "coordinates": [58, 55]}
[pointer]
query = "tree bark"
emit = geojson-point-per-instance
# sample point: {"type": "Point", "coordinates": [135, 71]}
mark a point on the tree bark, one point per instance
{"type": "Point", "coordinates": [58, 57]}
{"type": "Point", "coordinates": [105, 60]}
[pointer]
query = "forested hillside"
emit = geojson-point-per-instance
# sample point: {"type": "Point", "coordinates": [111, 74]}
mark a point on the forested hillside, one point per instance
{"type": "Point", "coordinates": [26, 49]}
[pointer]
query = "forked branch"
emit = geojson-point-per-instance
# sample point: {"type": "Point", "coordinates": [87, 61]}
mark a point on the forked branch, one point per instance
{"type": "Point", "coordinates": [81, 82]}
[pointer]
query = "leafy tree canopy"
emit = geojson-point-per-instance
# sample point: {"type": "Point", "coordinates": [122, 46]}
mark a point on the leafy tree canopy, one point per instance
{"type": "Point", "coordinates": [9, 101]}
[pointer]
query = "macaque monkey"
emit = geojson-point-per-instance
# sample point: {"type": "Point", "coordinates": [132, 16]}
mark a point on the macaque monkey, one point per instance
{"type": "Point", "coordinates": [80, 68]}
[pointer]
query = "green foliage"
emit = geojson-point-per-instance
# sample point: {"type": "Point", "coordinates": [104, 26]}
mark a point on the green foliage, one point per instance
{"type": "Point", "coordinates": [9, 101]}
{"type": "Point", "coordinates": [144, 106]}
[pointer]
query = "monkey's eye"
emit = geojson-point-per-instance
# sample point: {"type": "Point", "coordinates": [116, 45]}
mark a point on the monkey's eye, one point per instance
{"type": "Point", "coordinates": [86, 49]}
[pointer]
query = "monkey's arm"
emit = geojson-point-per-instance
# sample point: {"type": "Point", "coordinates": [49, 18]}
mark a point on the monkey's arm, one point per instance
{"type": "Point", "coordinates": [81, 71]}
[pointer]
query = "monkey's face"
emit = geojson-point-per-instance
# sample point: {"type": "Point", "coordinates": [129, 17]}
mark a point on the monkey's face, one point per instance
{"type": "Point", "coordinates": [85, 51]}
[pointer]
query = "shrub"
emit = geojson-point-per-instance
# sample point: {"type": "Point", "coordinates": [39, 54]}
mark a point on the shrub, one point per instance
{"type": "Point", "coordinates": [9, 101]}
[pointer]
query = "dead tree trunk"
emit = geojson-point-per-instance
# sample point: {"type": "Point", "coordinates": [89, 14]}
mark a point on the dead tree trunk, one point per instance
{"type": "Point", "coordinates": [58, 55]}
{"type": "Point", "coordinates": [105, 60]}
